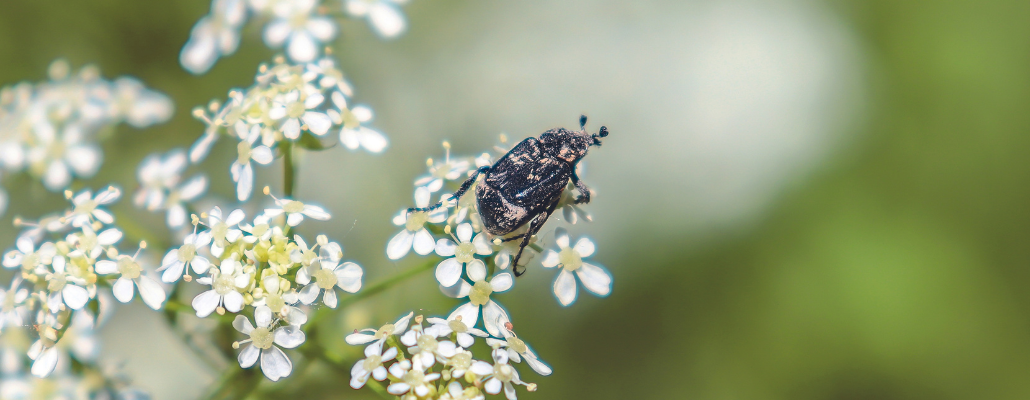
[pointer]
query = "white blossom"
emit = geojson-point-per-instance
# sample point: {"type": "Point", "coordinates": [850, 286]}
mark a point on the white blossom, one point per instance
{"type": "Point", "coordinates": [87, 207]}
{"type": "Point", "coordinates": [464, 333]}
{"type": "Point", "coordinates": [215, 35]}
{"type": "Point", "coordinates": [177, 197]}
{"type": "Point", "coordinates": [297, 25]}
{"type": "Point", "coordinates": [594, 278]}
{"type": "Point", "coordinates": [412, 377]}
{"type": "Point", "coordinates": [517, 350]}
{"type": "Point", "coordinates": [246, 151]}
{"type": "Point", "coordinates": [384, 16]}
{"type": "Point", "coordinates": [132, 275]}
{"type": "Point", "coordinates": [225, 282]}
{"type": "Point", "coordinates": [64, 288]}
{"type": "Point", "coordinates": [414, 235]}
{"type": "Point", "coordinates": [494, 316]}
{"type": "Point", "coordinates": [264, 342]}
{"type": "Point", "coordinates": [224, 232]}
{"type": "Point", "coordinates": [292, 110]}
{"type": "Point", "coordinates": [296, 211]}
{"type": "Point", "coordinates": [157, 174]}
{"type": "Point", "coordinates": [326, 275]}
{"type": "Point", "coordinates": [371, 366]}
{"type": "Point", "coordinates": [499, 375]}
{"type": "Point", "coordinates": [188, 255]}
{"type": "Point", "coordinates": [378, 336]}
{"type": "Point", "coordinates": [461, 254]}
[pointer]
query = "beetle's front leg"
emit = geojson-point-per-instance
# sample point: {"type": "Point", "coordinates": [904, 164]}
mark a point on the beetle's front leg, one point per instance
{"type": "Point", "coordinates": [584, 191]}
{"type": "Point", "coordinates": [456, 195]}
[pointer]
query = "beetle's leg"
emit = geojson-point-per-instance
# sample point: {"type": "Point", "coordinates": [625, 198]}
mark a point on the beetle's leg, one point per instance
{"type": "Point", "coordinates": [508, 239]}
{"type": "Point", "coordinates": [456, 195]}
{"type": "Point", "coordinates": [534, 227]}
{"type": "Point", "coordinates": [584, 191]}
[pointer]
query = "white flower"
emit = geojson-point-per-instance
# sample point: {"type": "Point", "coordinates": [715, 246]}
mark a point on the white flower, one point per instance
{"type": "Point", "coordinates": [27, 256]}
{"type": "Point", "coordinates": [64, 288]}
{"type": "Point", "coordinates": [177, 197]}
{"type": "Point", "coordinates": [499, 375]}
{"type": "Point", "coordinates": [262, 343]}
{"type": "Point", "coordinates": [384, 16]}
{"type": "Point", "coordinates": [443, 327]}
{"type": "Point", "coordinates": [242, 171]}
{"type": "Point", "coordinates": [412, 378]}
{"type": "Point", "coordinates": [55, 158]}
{"type": "Point", "coordinates": [225, 282]}
{"type": "Point", "coordinates": [281, 301]}
{"type": "Point", "coordinates": [517, 350]}
{"type": "Point", "coordinates": [301, 30]}
{"type": "Point", "coordinates": [142, 107]}
{"type": "Point", "coordinates": [440, 172]}
{"type": "Point", "coordinates": [156, 175]}
{"type": "Point", "coordinates": [378, 336]}
{"type": "Point", "coordinates": [214, 35]}
{"type": "Point", "coordinates": [131, 272]}
{"type": "Point", "coordinates": [89, 243]}
{"type": "Point", "coordinates": [494, 317]}
{"type": "Point", "coordinates": [188, 255]}
{"type": "Point", "coordinates": [88, 208]}
{"type": "Point", "coordinates": [594, 278]}
{"type": "Point", "coordinates": [328, 275]}
{"type": "Point", "coordinates": [354, 134]}
{"type": "Point", "coordinates": [449, 270]}
{"type": "Point", "coordinates": [222, 231]}
{"type": "Point", "coordinates": [425, 348]}
{"type": "Point", "coordinates": [292, 109]}
{"type": "Point", "coordinates": [415, 235]}
{"type": "Point", "coordinates": [296, 211]}
{"type": "Point", "coordinates": [44, 359]}
{"type": "Point", "coordinates": [456, 392]}
{"type": "Point", "coordinates": [12, 306]}
{"type": "Point", "coordinates": [460, 362]}
{"type": "Point", "coordinates": [371, 366]}
{"type": "Point", "coordinates": [260, 230]}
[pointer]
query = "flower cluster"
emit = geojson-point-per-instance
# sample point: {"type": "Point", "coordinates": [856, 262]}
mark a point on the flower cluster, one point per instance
{"type": "Point", "coordinates": [288, 105]}
{"type": "Point", "coordinates": [435, 362]}
{"type": "Point", "coordinates": [258, 266]}
{"type": "Point", "coordinates": [161, 187]}
{"type": "Point", "coordinates": [60, 282]}
{"type": "Point", "coordinates": [475, 267]}
{"type": "Point", "coordinates": [301, 27]}
{"type": "Point", "coordinates": [50, 129]}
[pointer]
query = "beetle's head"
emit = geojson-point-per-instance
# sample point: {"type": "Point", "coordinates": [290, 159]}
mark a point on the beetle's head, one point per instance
{"type": "Point", "coordinates": [572, 145]}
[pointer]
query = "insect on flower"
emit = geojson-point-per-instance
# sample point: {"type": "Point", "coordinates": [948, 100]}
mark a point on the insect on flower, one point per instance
{"type": "Point", "coordinates": [525, 185]}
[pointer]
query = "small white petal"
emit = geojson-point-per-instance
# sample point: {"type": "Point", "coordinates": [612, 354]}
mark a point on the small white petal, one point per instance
{"type": "Point", "coordinates": [245, 182]}
{"type": "Point", "coordinates": [291, 129]}
{"type": "Point", "coordinates": [242, 324]}
{"type": "Point", "coordinates": [294, 219]}
{"type": "Point", "coordinates": [595, 279]}
{"type": "Point", "coordinates": [289, 336]}
{"type": "Point", "coordinates": [45, 363]}
{"type": "Point", "coordinates": [75, 296]}
{"type": "Point", "coordinates": [469, 314]}
{"type": "Point", "coordinates": [448, 272]}
{"type": "Point", "coordinates": [445, 248]}
{"type": "Point", "coordinates": [476, 270]}
{"type": "Point", "coordinates": [465, 232]}
{"type": "Point", "coordinates": [502, 282]}
{"type": "Point", "coordinates": [550, 259]}
{"type": "Point", "coordinates": [316, 212]}
{"type": "Point", "coordinates": [302, 47]}
{"type": "Point", "coordinates": [585, 247]}
{"type": "Point", "coordinates": [249, 356]}
{"type": "Point", "coordinates": [106, 267]}
{"type": "Point", "coordinates": [309, 293]}
{"type": "Point", "coordinates": [276, 32]}
{"type": "Point", "coordinates": [494, 318]}
{"type": "Point", "coordinates": [123, 289]}
{"type": "Point", "coordinates": [423, 242]}
{"type": "Point", "coordinates": [274, 364]}
{"type": "Point", "coordinates": [329, 298]}
{"type": "Point", "coordinates": [233, 301]}
{"type": "Point", "coordinates": [263, 155]}
{"type": "Point", "coordinates": [151, 292]}
{"type": "Point", "coordinates": [263, 316]}
{"type": "Point", "coordinates": [349, 276]}
{"type": "Point", "coordinates": [400, 244]}
{"type": "Point", "coordinates": [482, 244]}
{"type": "Point", "coordinates": [205, 303]}
{"type": "Point", "coordinates": [386, 19]}
{"type": "Point", "coordinates": [493, 386]}
{"type": "Point", "coordinates": [318, 123]}
{"type": "Point", "coordinates": [565, 288]}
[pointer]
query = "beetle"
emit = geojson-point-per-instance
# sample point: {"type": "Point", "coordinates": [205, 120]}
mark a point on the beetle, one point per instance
{"type": "Point", "coordinates": [526, 184]}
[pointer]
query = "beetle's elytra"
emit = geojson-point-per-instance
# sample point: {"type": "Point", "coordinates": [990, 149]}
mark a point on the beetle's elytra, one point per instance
{"type": "Point", "coordinates": [525, 185]}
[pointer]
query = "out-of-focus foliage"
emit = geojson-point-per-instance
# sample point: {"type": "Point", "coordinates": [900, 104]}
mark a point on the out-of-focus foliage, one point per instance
{"type": "Point", "coordinates": [882, 255]}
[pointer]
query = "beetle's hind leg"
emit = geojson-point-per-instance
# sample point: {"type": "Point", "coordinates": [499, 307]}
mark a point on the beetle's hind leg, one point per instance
{"type": "Point", "coordinates": [584, 191]}
{"type": "Point", "coordinates": [456, 195]}
{"type": "Point", "coordinates": [534, 227]}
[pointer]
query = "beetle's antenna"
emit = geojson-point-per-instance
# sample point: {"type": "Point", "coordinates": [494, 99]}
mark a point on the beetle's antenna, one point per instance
{"type": "Point", "coordinates": [603, 132]}
{"type": "Point", "coordinates": [582, 121]}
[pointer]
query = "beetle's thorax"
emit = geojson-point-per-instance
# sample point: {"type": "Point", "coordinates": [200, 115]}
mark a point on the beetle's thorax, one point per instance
{"type": "Point", "coordinates": [567, 145]}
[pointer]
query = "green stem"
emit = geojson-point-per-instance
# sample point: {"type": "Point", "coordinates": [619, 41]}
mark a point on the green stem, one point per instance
{"type": "Point", "coordinates": [289, 170]}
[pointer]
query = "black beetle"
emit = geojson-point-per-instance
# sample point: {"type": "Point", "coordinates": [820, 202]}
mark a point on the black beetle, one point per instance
{"type": "Point", "coordinates": [525, 185]}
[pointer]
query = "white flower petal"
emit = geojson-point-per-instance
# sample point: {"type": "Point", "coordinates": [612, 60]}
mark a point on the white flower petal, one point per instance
{"type": "Point", "coordinates": [595, 279]}
{"type": "Point", "coordinates": [274, 364]}
{"type": "Point", "coordinates": [321, 28]}
{"type": "Point", "coordinates": [318, 123]}
{"type": "Point", "coordinates": [248, 356]}
{"type": "Point", "coordinates": [151, 292]}
{"type": "Point", "coordinates": [242, 324]}
{"type": "Point", "coordinates": [329, 298]}
{"type": "Point", "coordinates": [309, 293]}
{"type": "Point", "coordinates": [276, 32]}
{"type": "Point", "coordinates": [316, 212]}
{"type": "Point", "coordinates": [565, 288]}
{"type": "Point", "coordinates": [445, 248]}
{"type": "Point", "coordinates": [302, 47]}
{"type": "Point", "coordinates": [482, 244]}
{"type": "Point", "coordinates": [423, 242]}
{"type": "Point", "coordinates": [289, 336]}
{"type": "Point", "coordinates": [550, 260]}
{"type": "Point", "coordinates": [465, 232]}
{"type": "Point", "coordinates": [494, 318]}
{"type": "Point", "coordinates": [263, 155]}
{"type": "Point", "coordinates": [476, 270]}
{"type": "Point", "coordinates": [585, 247]}
{"type": "Point", "coordinates": [448, 272]}
{"type": "Point", "coordinates": [469, 314]}
{"type": "Point", "coordinates": [123, 289]}
{"type": "Point", "coordinates": [245, 182]}
{"type": "Point", "coordinates": [45, 363]}
{"type": "Point", "coordinates": [233, 301]}
{"type": "Point", "coordinates": [263, 316]}
{"type": "Point", "coordinates": [349, 276]}
{"type": "Point", "coordinates": [106, 267]}
{"type": "Point", "coordinates": [75, 296]}
{"type": "Point", "coordinates": [400, 244]}
{"type": "Point", "coordinates": [561, 237]}
{"type": "Point", "coordinates": [502, 282]}
{"type": "Point", "coordinates": [386, 19]}
{"type": "Point", "coordinates": [205, 303]}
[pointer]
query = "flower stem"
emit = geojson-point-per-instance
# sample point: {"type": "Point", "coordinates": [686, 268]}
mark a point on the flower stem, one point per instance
{"type": "Point", "coordinates": [289, 170]}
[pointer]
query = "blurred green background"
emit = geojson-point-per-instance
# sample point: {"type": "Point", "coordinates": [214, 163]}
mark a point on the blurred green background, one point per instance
{"type": "Point", "coordinates": [799, 199]}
